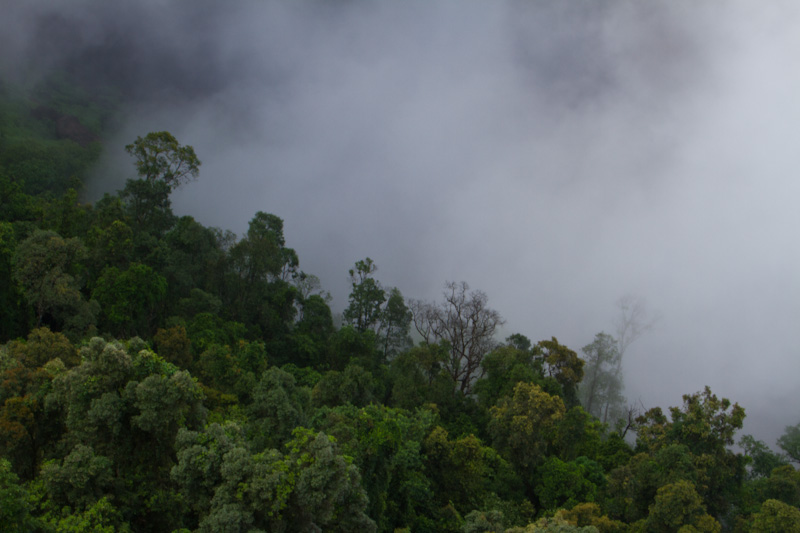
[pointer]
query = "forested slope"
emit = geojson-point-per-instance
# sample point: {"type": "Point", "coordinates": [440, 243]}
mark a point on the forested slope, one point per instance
{"type": "Point", "coordinates": [160, 375]}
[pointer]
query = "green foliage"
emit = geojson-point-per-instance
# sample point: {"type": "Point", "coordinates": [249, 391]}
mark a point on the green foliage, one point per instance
{"type": "Point", "coordinates": [149, 209]}
{"type": "Point", "coordinates": [101, 517]}
{"type": "Point", "coordinates": [483, 521]}
{"type": "Point", "coordinates": [130, 299]}
{"type": "Point", "coordinates": [11, 295]}
{"type": "Point", "coordinates": [99, 435]}
{"type": "Point", "coordinates": [159, 157]}
{"type": "Point", "coordinates": [789, 442]}
{"type": "Point", "coordinates": [706, 425]}
{"type": "Point", "coordinates": [524, 426]}
{"type": "Point", "coordinates": [387, 447]}
{"type": "Point", "coordinates": [565, 484]}
{"type": "Point", "coordinates": [761, 460]}
{"type": "Point", "coordinates": [677, 505]}
{"type": "Point", "coordinates": [312, 487]}
{"type": "Point", "coordinates": [366, 298]}
{"type": "Point", "coordinates": [563, 365]}
{"type": "Point", "coordinates": [465, 473]}
{"type": "Point", "coordinates": [505, 367]}
{"type": "Point", "coordinates": [46, 165]}
{"type": "Point", "coordinates": [14, 508]}
{"type": "Point", "coordinates": [47, 268]}
{"type": "Point", "coordinates": [776, 516]}
{"type": "Point", "coordinates": [278, 406]}
{"type": "Point", "coordinates": [353, 385]}
{"type": "Point", "coordinates": [80, 480]}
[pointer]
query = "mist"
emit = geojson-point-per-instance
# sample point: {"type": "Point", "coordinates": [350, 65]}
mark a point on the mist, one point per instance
{"type": "Point", "coordinates": [555, 155]}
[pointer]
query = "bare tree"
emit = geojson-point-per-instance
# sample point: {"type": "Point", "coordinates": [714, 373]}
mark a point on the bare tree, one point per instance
{"type": "Point", "coordinates": [633, 321]}
{"type": "Point", "coordinates": [466, 323]}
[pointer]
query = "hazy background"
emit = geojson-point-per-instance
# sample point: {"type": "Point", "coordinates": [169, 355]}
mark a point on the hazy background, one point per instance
{"type": "Point", "coordinates": [556, 155]}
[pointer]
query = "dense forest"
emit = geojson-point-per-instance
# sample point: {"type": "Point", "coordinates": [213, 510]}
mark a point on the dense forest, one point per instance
{"type": "Point", "coordinates": [160, 375]}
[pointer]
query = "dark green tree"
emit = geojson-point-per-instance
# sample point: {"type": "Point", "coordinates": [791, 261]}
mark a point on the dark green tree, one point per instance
{"type": "Point", "coordinates": [366, 298]}
{"type": "Point", "coordinates": [159, 157]}
{"type": "Point", "coordinates": [130, 299]}
{"type": "Point", "coordinates": [48, 269]}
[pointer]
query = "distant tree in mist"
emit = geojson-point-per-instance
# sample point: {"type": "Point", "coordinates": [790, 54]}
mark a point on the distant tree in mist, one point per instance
{"type": "Point", "coordinates": [601, 391]}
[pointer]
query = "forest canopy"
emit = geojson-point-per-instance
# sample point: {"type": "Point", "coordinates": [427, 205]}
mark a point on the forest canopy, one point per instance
{"type": "Point", "coordinates": [160, 375]}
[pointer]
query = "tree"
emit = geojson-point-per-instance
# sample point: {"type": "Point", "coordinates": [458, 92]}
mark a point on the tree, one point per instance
{"type": "Point", "coordinates": [278, 406]}
{"type": "Point", "coordinates": [380, 311]}
{"type": "Point", "coordinates": [601, 389]}
{"type": "Point", "coordinates": [523, 427]}
{"type": "Point", "coordinates": [567, 483]}
{"type": "Point", "coordinates": [789, 442]}
{"type": "Point", "coordinates": [310, 488]}
{"type": "Point", "coordinates": [353, 385]}
{"type": "Point", "coordinates": [11, 300]}
{"type": "Point", "coordinates": [504, 367]}
{"type": "Point", "coordinates": [762, 460]}
{"type": "Point", "coordinates": [47, 268]}
{"type": "Point", "coordinates": [149, 208]}
{"type": "Point", "coordinates": [256, 291]}
{"type": "Point", "coordinates": [632, 322]}
{"type": "Point", "coordinates": [776, 516]}
{"type": "Point", "coordinates": [706, 425]}
{"type": "Point", "coordinates": [14, 506]}
{"type": "Point", "coordinates": [395, 325]}
{"type": "Point", "coordinates": [159, 156]}
{"type": "Point", "coordinates": [563, 365]}
{"type": "Point", "coordinates": [130, 298]}
{"type": "Point", "coordinates": [676, 505]}
{"type": "Point", "coordinates": [466, 323]}
{"type": "Point", "coordinates": [387, 447]}
{"type": "Point", "coordinates": [366, 298]}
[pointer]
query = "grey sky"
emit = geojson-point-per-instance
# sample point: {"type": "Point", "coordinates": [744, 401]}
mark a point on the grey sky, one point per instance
{"type": "Point", "coordinates": [555, 155]}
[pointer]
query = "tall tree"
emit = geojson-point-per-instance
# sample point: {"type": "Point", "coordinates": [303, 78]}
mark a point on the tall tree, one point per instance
{"type": "Point", "coordinates": [789, 442]}
{"type": "Point", "coordinates": [464, 321]}
{"type": "Point", "coordinates": [601, 389]}
{"type": "Point", "coordinates": [366, 298]}
{"type": "Point", "coordinates": [395, 325]}
{"type": "Point", "coordinates": [159, 157]}
{"type": "Point", "coordinates": [563, 365]}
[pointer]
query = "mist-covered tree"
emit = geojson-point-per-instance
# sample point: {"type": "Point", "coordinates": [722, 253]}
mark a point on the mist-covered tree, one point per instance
{"type": "Point", "coordinates": [601, 389]}
{"type": "Point", "coordinates": [160, 157]}
{"type": "Point", "coordinates": [395, 325]}
{"type": "Point", "coordinates": [789, 442]}
{"type": "Point", "coordinates": [762, 460]}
